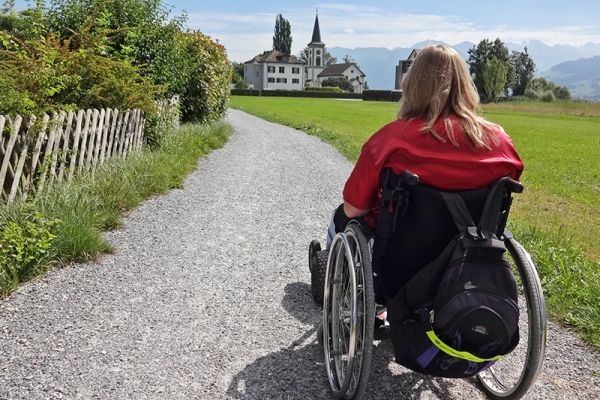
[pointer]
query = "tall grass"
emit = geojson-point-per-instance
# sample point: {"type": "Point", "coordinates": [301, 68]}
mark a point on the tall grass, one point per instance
{"type": "Point", "coordinates": [556, 218]}
{"type": "Point", "coordinates": [90, 204]}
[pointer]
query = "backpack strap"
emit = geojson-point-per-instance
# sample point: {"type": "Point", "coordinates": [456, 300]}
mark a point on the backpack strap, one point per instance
{"type": "Point", "coordinates": [459, 212]}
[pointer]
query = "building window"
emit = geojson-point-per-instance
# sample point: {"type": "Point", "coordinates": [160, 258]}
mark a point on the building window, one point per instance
{"type": "Point", "coordinates": [295, 80]}
{"type": "Point", "coordinates": [271, 80]}
{"type": "Point", "coordinates": [282, 70]}
{"type": "Point", "coordinates": [318, 62]}
{"type": "Point", "coordinates": [257, 74]}
{"type": "Point", "coordinates": [281, 80]}
{"type": "Point", "coordinates": [295, 70]}
{"type": "Point", "coordinates": [271, 69]}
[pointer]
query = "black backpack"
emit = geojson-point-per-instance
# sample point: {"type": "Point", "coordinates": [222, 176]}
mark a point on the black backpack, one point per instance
{"type": "Point", "coordinates": [459, 314]}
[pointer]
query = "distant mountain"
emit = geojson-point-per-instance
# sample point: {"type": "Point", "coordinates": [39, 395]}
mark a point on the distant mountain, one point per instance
{"type": "Point", "coordinates": [379, 63]}
{"type": "Point", "coordinates": [582, 77]}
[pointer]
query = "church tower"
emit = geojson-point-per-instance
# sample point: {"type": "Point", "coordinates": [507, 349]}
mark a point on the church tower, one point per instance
{"type": "Point", "coordinates": [316, 52]}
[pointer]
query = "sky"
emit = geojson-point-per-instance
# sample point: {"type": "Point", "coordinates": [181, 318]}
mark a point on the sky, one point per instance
{"type": "Point", "coordinates": [246, 27]}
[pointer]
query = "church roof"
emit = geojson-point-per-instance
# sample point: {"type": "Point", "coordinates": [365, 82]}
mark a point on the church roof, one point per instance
{"type": "Point", "coordinates": [277, 56]}
{"type": "Point", "coordinates": [338, 69]}
{"type": "Point", "coordinates": [316, 37]}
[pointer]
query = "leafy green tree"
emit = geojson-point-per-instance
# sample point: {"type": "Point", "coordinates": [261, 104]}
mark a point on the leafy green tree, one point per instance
{"type": "Point", "coordinates": [494, 78]}
{"type": "Point", "coordinates": [7, 7]}
{"type": "Point", "coordinates": [542, 89]}
{"type": "Point", "coordinates": [237, 70]}
{"type": "Point", "coordinates": [524, 68]}
{"type": "Point", "coordinates": [348, 59]}
{"type": "Point", "coordinates": [282, 40]}
{"type": "Point", "coordinates": [478, 56]}
{"type": "Point", "coordinates": [339, 81]}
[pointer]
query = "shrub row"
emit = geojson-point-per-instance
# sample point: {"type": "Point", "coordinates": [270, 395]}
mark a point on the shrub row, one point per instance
{"type": "Point", "coordinates": [323, 89]}
{"type": "Point", "coordinates": [368, 95]}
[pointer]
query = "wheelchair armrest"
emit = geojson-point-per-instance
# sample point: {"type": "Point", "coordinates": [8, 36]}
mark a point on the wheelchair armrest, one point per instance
{"type": "Point", "coordinates": [514, 186]}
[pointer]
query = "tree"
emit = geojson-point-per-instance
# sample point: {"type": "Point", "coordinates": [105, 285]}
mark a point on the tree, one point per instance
{"type": "Point", "coordinates": [348, 59]}
{"type": "Point", "coordinates": [524, 71]}
{"type": "Point", "coordinates": [339, 81]}
{"type": "Point", "coordinates": [7, 7]}
{"type": "Point", "coordinates": [494, 77]}
{"type": "Point", "coordinates": [544, 90]}
{"type": "Point", "coordinates": [282, 41]}
{"type": "Point", "coordinates": [478, 56]}
{"type": "Point", "coordinates": [328, 59]}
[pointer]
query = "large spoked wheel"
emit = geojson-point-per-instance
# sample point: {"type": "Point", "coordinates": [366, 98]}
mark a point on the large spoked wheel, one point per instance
{"type": "Point", "coordinates": [513, 375]}
{"type": "Point", "coordinates": [348, 314]}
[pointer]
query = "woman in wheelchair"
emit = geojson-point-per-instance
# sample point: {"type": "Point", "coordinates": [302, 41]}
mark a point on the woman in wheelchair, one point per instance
{"type": "Point", "coordinates": [440, 137]}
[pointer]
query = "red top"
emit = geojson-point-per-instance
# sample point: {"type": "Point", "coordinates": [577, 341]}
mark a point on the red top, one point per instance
{"type": "Point", "coordinates": [401, 145]}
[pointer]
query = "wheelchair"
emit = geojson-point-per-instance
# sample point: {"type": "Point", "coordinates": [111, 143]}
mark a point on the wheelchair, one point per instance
{"type": "Point", "coordinates": [342, 279]}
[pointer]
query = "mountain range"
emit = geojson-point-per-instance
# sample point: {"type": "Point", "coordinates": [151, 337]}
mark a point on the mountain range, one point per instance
{"type": "Point", "coordinates": [577, 67]}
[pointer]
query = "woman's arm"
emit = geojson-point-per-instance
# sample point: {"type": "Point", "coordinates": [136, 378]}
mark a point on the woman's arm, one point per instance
{"type": "Point", "coordinates": [353, 212]}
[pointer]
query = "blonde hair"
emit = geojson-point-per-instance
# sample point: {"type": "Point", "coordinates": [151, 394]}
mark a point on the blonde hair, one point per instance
{"type": "Point", "coordinates": [438, 85]}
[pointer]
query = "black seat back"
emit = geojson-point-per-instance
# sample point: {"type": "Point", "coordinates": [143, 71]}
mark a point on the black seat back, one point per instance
{"type": "Point", "coordinates": [422, 234]}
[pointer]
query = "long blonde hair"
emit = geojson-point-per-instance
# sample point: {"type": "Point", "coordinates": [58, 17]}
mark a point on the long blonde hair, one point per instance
{"type": "Point", "coordinates": [438, 85]}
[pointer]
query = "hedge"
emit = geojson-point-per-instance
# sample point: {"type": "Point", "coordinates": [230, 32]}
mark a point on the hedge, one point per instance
{"type": "Point", "coordinates": [382, 95]}
{"type": "Point", "coordinates": [294, 93]}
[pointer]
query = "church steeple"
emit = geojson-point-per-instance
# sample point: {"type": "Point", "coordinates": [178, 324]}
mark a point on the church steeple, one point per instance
{"type": "Point", "coordinates": [316, 36]}
{"type": "Point", "coordinates": [316, 55]}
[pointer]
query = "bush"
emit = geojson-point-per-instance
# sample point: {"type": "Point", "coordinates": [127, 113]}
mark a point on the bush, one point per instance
{"type": "Point", "coordinates": [333, 89]}
{"type": "Point", "coordinates": [548, 97]}
{"type": "Point", "coordinates": [339, 81]}
{"type": "Point", "coordinates": [25, 246]}
{"type": "Point", "coordinates": [207, 92]}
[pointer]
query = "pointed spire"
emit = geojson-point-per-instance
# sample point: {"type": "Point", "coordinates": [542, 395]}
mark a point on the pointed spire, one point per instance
{"type": "Point", "coordinates": [316, 36]}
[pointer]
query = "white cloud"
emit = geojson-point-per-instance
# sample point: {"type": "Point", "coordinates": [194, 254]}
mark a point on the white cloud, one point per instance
{"type": "Point", "coordinates": [245, 35]}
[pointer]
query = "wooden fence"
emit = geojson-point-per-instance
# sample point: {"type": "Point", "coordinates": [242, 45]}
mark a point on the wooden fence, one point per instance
{"type": "Point", "coordinates": [35, 156]}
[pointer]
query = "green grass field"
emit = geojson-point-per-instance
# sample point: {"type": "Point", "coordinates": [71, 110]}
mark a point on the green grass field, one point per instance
{"type": "Point", "coordinates": [556, 218]}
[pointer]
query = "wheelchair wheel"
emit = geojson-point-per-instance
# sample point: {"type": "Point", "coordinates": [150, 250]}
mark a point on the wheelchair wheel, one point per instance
{"type": "Point", "coordinates": [511, 376]}
{"type": "Point", "coordinates": [348, 314]}
{"type": "Point", "coordinates": [317, 264]}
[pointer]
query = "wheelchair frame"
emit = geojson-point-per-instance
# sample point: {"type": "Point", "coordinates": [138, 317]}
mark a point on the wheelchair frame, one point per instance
{"type": "Point", "coordinates": [349, 312]}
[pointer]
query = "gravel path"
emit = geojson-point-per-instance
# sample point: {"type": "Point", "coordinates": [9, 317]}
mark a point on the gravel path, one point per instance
{"type": "Point", "coordinates": [208, 296]}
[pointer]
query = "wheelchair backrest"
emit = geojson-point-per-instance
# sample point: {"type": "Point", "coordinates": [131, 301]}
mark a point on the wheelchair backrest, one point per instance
{"type": "Point", "coordinates": [426, 227]}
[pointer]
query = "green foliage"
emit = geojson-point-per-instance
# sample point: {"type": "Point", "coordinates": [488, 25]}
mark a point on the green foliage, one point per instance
{"type": "Point", "coordinates": [142, 33]}
{"type": "Point", "coordinates": [524, 71]}
{"type": "Point", "coordinates": [25, 245]}
{"type": "Point", "coordinates": [207, 92]}
{"type": "Point", "coordinates": [544, 90]}
{"type": "Point", "coordinates": [282, 40]}
{"type": "Point", "coordinates": [478, 56]}
{"type": "Point", "coordinates": [237, 70]}
{"type": "Point", "coordinates": [333, 89]}
{"type": "Point", "coordinates": [55, 74]}
{"type": "Point", "coordinates": [494, 78]}
{"type": "Point", "coordinates": [339, 81]}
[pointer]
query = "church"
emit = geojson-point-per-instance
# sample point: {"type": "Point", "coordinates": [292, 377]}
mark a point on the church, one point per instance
{"type": "Point", "coordinates": [318, 72]}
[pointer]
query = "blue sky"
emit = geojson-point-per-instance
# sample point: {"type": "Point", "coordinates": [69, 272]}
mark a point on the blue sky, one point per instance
{"type": "Point", "coordinates": [245, 28]}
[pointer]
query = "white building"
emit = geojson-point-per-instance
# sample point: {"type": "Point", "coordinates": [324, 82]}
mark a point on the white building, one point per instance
{"type": "Point", "coordinates": [275, 70]}
{"type": "Point", "coordinates": [349, 71]}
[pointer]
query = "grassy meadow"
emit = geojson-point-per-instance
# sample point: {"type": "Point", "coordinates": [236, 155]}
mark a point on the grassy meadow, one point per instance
{"type": "Point", "coordinates": [557, 217]}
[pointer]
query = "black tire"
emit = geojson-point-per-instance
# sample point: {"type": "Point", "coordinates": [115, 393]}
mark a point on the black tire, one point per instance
{"type": "Point", "coordinates": [512, 376]}
{"type": "Point", "coordinates": [317, 276]}
{"type": "Point", "coordinates": [349, 314]}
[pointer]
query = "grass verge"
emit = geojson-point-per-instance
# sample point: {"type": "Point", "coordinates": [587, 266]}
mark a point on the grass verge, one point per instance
{"type": "Point", "coordinates": [557, 217]}
{"type": "Point", "coordinates": [65, 224]}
